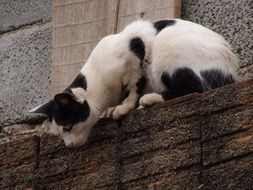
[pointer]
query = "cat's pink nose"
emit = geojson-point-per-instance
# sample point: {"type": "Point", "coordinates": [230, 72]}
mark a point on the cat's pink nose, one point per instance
{"type": "Point", "coordinates": [71, 145]}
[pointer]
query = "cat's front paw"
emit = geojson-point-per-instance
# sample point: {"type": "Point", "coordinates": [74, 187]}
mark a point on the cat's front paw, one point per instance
{"type": "Point", "coordinates": [121, 110]}
{"type": "Point", "coordinates": [150, 99]}
{"type": "Point", "coordinates": [108, 113]}
{"type": "Point", "coordinates": [115, 112]}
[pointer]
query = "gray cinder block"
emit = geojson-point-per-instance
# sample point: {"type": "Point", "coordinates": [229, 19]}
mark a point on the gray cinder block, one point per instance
{"type": "Point", "coordinates": [17, 13]}
{"type": "Point", "coordinates": [25, 61]}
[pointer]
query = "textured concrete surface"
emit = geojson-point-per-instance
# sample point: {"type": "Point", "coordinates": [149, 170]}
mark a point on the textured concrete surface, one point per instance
{"type": "Point", "coordinates": [231, 18]}
{"type": "Point", "coordinates": [199, 141]}
{"type": "Point", "coordinates": [18, 13]}
{"type": "Point", "coordinates": [25, 69]}
{"type": "Point", "coordinates": [246, 72]}
{"type": "Point", "coordinates": [25, 58]}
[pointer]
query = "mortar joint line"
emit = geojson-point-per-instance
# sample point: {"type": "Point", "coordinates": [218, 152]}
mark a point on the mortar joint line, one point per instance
{"type": "Point", "coordinates": [116, 17]}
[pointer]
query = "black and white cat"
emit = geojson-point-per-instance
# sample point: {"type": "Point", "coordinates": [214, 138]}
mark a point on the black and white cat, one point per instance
{"type": "Point", "coordinates": [175, 57]}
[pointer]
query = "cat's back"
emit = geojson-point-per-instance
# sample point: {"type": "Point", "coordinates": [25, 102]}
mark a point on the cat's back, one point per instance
{"type": "Point", "coordinates": [187, 44]}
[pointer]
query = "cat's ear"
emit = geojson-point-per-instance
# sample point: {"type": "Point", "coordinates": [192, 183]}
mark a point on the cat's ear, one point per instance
{"type": "Point", "coordinates": [43, 108]}
{"type": "Point", "coordinates": [64, 98]}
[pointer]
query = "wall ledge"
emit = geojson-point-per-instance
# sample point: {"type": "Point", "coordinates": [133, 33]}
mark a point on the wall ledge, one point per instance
{"type": "Point", "coordinates": [199, 141]}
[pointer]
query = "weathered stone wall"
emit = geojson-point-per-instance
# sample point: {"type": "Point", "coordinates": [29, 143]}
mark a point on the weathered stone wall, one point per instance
{"type": "Point", "coordinates": [193, 142]}
{"type": "Point", "coordinates": [230, 18]}
{"type": "Point", "coordinates": [25, 57]}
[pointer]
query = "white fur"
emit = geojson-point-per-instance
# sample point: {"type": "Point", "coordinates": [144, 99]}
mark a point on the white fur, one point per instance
{"type": "Point", "coordinates": [112, 64]}
{"type": "Point", "coordinates": [36, 108]}
{"type": "Point", "coordinates": [78, 135]}
{"type": "Point", "coordinates": [150, 99]}
{"type": "Point", "coordinates": [190, 45]}
{"type": "Point", "coordinates": [80, 94]}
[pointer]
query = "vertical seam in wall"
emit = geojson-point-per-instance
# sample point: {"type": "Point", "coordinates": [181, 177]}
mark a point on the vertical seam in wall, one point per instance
{"type": "Point", "coordinates": [36, 166]}
{"type": "Point", "coordinates": [116, 17]}
{"type": "Point", "coordinates": [178, 6]}
{"type": "Point", "coordinates": [37, 152]}
{"type": "Point", "coordinates": [201, 180]}
{"type": "Point", "coordinates": [119, 165]}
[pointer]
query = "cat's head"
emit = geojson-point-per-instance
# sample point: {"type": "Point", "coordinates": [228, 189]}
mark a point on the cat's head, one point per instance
{"type": "Point", "coordinates": [70, 114]}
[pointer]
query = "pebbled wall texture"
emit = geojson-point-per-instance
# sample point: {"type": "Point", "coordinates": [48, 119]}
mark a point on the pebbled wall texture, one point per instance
{"type": "Point", "coordinates": [233, 19]}
{"type": "Point", "coordinates": [25, 57]}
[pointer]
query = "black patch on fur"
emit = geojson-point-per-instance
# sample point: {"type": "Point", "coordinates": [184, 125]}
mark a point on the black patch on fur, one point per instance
{"type": "Point", "coordinates": [64, 98]}
{"type": "Point", "coordinates": [64, 108]}
{"type": "Point", "coordinates": [137, 46]}
{"type": "Point", "coordinates": [161, 24]}
{"type": "Point", "coordinates": [67, 114]}
{"type": "Point", "coordinates": [183, 81]}
{"type": "Point", "coordinates": [124, 93]}
{"type": "Point", "coordinates": [79, 81]}
{"type": "Point", "coordinates": [215, 78]}
{"type": "Point", "coordinates": [141, 84]}
{"type": "Point", "coordinates": [166, 95]}
{"type": "Point", "coordinates": [70, 114]}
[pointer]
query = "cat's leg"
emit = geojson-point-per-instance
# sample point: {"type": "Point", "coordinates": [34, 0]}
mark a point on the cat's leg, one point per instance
{"type": "Point", "coordinates": [183, 81]}
{"type": "Point", "coordinates": [127, 105]}
{"type": "Point", "coordinates": [134, 87]}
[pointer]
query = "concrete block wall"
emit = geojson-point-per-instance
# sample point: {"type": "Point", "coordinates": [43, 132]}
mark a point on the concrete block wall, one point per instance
{"type": "Point", "coordinates": [19, 13]}
{"type": "Point", "coordinates": [25, 57]}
